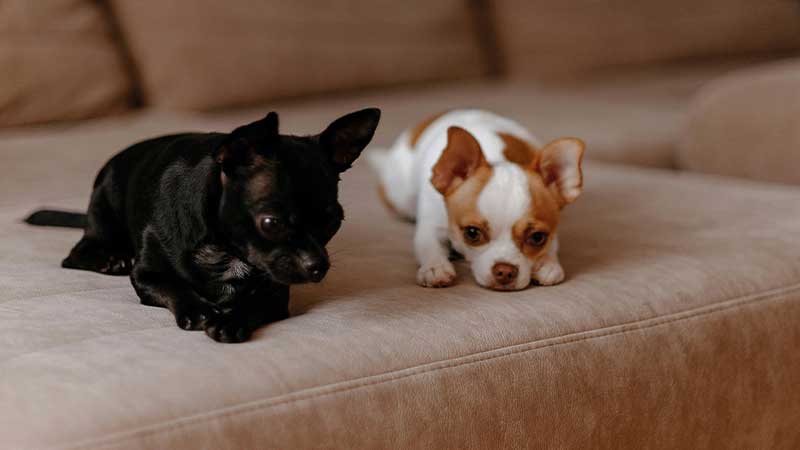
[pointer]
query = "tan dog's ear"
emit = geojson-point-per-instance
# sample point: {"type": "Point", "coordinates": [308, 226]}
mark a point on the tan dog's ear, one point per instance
{"type": "Point", "coordinates": [560, 167]}
{"type": "Point", "coordinates": [459, 160]}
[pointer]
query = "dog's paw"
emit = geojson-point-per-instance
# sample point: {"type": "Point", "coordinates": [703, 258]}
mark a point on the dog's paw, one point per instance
{"type": "Point", "coordinates": [228, 328]}
{"type": "Point", "coordinates": [438, 275]}
{"type": "Point", "coordinates": [193, 316]}
{"type": "Point", "coordinates": [98, 260]}
{"type": "Point", "coordinates": [116, 265]}
{"type": "Point", "coordinates": [549, 273]}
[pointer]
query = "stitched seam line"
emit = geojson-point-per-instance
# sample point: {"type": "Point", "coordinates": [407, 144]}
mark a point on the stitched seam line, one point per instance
{"type": "Point", "coordinates": [475, 358]}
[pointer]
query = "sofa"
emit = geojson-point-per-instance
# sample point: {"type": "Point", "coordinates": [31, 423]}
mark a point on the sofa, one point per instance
{"type": "Point", "coordinates": [678, 325]}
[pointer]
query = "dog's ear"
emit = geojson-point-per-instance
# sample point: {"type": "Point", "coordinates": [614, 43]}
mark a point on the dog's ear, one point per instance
{"type": "Point", "coordinates": [260, 131]}
{"type": "Point", "coordinates": [245, 142]}
{"type": "Point", "coordinates": [459, 160]}
{"type": "Point", "coordinates": [560, 167]}
{"type": "Point", "coordinates": [347, 136]}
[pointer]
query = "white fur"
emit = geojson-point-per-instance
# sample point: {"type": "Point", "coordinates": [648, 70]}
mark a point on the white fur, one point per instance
{"type": "Point", "coordinates": [503, 201]}
{"type": "Point", "coordinates": [236, 269]}
{"type": "Point", "coordinates": [395, 167]}
{"type": "Point", "coordinates": [548, 270]}
{"type": "Point", "coordinates": [405, 174]}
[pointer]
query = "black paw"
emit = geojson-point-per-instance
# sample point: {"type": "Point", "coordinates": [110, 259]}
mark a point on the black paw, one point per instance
{"type": "Point", "coordinates": [228, 328]}
{"type": "Point", "coordinates": [101, 263]}
{"type": "Point", "coordinates": [117, 266]}
{"type": "Point", "coordinates": [194, 317]}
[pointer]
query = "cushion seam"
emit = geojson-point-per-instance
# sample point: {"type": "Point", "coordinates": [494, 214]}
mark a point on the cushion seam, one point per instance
{"type": "Point", "coordinates": [450, 363]}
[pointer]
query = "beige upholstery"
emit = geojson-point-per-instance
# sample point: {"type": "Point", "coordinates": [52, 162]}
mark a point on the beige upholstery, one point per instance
{"type": "Point", "coordinates": [747, 125]}
{"type": "Point", "coordinates": [211, 54]}
{"type": "Point", "coordinates": [58, 61]}
{"type": "Point", "coordinates": [632, 119]}
{"type": "Point", "coordinates": [677, 326]}
{"type": "Point", "coordinates": [547, 38]}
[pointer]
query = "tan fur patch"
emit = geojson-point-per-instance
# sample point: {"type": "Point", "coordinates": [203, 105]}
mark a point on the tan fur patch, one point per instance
{"type": "Point", "coordinates": [417, 131]}
{"type": "Point", "coordinates": [259, 184]}
{"type": "Point", "coordinates": [519, 151]}
{"type": "Point", "coordinates": [543, 215]}
{"type": "Point", "coordinates": [546, 203]}
{"type": "Point", "coordinates": [462, 203]}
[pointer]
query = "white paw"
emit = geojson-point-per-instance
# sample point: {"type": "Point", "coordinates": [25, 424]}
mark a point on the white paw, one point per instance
{"type": "Point", "coordinates": [549, 273]}
{"type": "Point", "coordinates": [441, 274]}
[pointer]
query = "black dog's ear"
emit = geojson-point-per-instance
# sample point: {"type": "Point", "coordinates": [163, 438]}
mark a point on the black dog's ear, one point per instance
{"type": "Point", "coordinates": [241, 145]}
{"type": "Point", "coordinates": [260, 130]}
{"type": "Point", "coordinates": [347, 136]}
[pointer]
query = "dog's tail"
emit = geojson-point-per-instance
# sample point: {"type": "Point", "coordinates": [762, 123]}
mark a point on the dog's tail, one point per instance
{"type": "Point", "coordinates": [53, 218]}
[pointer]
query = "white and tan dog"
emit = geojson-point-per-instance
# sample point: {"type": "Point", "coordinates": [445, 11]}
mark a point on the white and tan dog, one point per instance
{"type": "Point", "coordinates": [488, 186]}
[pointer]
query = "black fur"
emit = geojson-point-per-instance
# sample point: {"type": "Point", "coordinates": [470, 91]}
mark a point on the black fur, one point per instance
{"type": "Point", "coordinates": [216, 226]}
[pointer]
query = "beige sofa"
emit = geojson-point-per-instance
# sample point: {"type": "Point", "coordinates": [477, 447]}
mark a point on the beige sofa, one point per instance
{"type": "Point", "coordinates": [677, 327]}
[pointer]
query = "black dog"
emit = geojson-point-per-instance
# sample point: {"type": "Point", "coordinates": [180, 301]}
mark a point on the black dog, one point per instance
{"type": "Point", "coordinates": [216, 226]}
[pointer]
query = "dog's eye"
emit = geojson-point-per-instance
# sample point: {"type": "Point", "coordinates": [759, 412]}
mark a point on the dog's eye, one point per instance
{"type": "Point", "coordinates": [537, 238]}
{"type": "Point", "coordinates": [473, 235]}
{"type": "Point", "coordinates": [272, 227]}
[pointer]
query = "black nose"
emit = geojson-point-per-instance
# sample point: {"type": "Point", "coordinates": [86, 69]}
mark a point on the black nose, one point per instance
{"type": "Point", "coordinates": [316, 269]}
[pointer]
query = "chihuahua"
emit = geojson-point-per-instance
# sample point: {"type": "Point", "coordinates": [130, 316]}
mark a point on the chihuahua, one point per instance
{"type": "Point", "coordinates": [216, 226]}
{"type": "Point", "coordinates": [484, 184]}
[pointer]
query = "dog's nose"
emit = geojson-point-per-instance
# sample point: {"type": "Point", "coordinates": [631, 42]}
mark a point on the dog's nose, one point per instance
{"type": "Point", "coordinates": [504, 273]}
{"type": "Point", "coordinates": [316, 269]}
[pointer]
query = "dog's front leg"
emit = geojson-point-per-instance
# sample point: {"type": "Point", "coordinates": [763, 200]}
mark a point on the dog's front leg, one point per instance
{"type": "Point", "coordinates": [156, 283]}
{"type": "Point", "coordinates": [155, 288]}
{"type": "Point", "coordinates": [548, 271]}
{"type": "Point", "coordinates": [256, 307]}
{"type": "Point", "coordinates": [435, 269]}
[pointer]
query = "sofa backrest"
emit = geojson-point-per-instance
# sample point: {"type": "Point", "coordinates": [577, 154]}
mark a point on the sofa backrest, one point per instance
{"type": "Point", "coordinates": [58, 61]}
{"type": "Point", "coordinates": [746, 124]}
{"type": "Point", "coordinates": [552, 38]}
{"type": "Point", "coordinates": [72, 59]}
{"type": "Point", "coordinates": [204, 54]}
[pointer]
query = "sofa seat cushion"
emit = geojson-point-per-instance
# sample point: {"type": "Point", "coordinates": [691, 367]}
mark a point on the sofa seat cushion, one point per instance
{"type": "Point", "coordinates": [747, 124]}
{"type": "Point", "coordinates": [677, 327]}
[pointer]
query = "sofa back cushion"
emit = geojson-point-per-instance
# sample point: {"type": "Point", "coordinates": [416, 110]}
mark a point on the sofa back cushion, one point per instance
{"type": "Point", "coordinates": [205, 54]}
{"type": "Point", "coordinates": [58, 61]}
{"type": "Point", "coordinates": [747, 124]}
{"type": "Point", "coordinates": [547, 38]}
